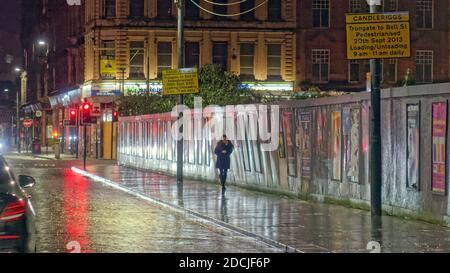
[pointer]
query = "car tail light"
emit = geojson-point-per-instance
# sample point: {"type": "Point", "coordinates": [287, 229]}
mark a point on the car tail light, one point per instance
{"type": "Point", "coordinates": [13, 211]}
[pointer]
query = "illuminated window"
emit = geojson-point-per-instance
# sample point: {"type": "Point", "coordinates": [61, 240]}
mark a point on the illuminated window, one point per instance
{"type": "Point", "coordinates": [247, 52]}
{"type": "Point", "coordinates": [424, 14]}
{"type": "Point", "coordinates": [137, 60]}
{"type": "Point", "coordinates": [321, 64]}
{"type": "Point", "coordinates": [321, 13]}
{"type": "Point", "coordinates": [274, 62]}
{"type": "Point", "coordinates": [424, 66]}
{"type": "Point", "coordinates": [164, 56]}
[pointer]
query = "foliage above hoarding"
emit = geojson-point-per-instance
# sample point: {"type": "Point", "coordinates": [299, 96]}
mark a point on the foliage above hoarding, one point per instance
{"type": "Point", "coordinates": [217, 87]}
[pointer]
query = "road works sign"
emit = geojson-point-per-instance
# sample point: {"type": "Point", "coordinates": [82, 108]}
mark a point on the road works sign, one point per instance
{"type": "Point", "coordinates": [378, 35]}
{"type": "Point", "coordinates": [180, 81]}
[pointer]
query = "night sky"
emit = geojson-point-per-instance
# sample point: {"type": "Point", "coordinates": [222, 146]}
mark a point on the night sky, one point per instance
{"type": "Point", "coordinates": [10, 24]}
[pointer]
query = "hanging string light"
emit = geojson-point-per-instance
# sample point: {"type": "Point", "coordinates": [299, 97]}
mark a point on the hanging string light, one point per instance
{"type": "Point", "coordinates": [228, 15]}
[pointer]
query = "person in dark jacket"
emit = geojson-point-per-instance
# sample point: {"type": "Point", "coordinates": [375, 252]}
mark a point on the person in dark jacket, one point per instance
{"type": "Point", "coordinates": [223, 150]}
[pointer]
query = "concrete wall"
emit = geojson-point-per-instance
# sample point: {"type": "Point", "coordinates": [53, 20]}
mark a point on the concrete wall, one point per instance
{"type": "Point", "coordinates": [339, 166]}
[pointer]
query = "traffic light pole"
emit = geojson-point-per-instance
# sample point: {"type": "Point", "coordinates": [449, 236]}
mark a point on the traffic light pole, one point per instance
{"type": "Point", "coordinates": [85, 148]}
{"type": "Point", "coordinates": [180, 43]}
{"type": "Point", "coordinates": [375, 135]}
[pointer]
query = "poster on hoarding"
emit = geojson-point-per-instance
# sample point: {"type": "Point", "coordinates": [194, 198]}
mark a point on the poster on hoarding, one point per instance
{"type": "Point", "coordinates": [336, 147]}
{"type": "Point", "coordinates": [305, 144]}
{"type": "Point", "coordinates": [412, 145]}
{"type": "Point", "coordinates": [351, 138]}
{"type": "Point", "coordinates": [439, 127]}
{"type": "Point", "coordinates": [290, 149]}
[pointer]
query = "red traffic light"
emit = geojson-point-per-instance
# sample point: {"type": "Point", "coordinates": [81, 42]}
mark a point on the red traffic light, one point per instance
{"type": "Point", "coordinates": [115, 113]}
{"type": "Point", "coordinates": [73, 112]}
{"type": "Point", "coordinates": [86, 106]}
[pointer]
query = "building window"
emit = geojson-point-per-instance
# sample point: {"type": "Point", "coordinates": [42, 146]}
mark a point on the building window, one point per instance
{"type": "Point", "coordinates": [192, 11]}
{"type": "Point", "coordinates": [192, 55]}
{"type": "Point", "coordinates": [164, 56]}
{"type": "Point", "coordinates": [390, 5]}
{"type": "Point", "coordinates": [358, 6]}
{"type": "Point", "coordinates": [321, 13]}
{"type": "Point", "coordinates": [424, 14]}
{"type": "Point", "coordinates": [164, 9]}
{"type": "Point", "coordinates": [247, 61]}
{"type": "Point", "coordinates": [220, 9]}
{"type": "Point", "coordinates": [136, 8]}
{"type": "Point", "coordinates": [424, 66]}
{"type": "Point", "coordinates": [274, 10]}
{"type": "Point", "coordinates": [354, 71]}
{"type": "Point", "coordinates": [137, 60]}
{"type": "Point", "coordinates": [248, 7]}
{"type": "Point", "coordinates": [274, 62]}
{"type": "Point", "coordinates": [220, 54]}
{"type": "Point", "coordinates": [109, 8]}
{"type": "Point", "coordinates": [391, 71]}
{"type": "Point", "coordinates": [108, 60]}
{"type": "Point", "coordinates": [321, 64]}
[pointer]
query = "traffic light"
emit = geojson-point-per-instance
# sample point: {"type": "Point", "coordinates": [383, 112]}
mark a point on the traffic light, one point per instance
{"type": "Point", "coordinates": [73, 117]}
{"type": "Point", "coordinates": [86, 113]}
{"type": "Point", "coordinates": [115, 116]}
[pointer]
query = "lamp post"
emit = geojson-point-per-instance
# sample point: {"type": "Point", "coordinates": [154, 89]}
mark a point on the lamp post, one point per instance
{"type": "Point", "coordinates": [180, 44]}
{"type": "Point", "coordinates": [375, 129]}
{"type": "Point", "coordinates": [18, 97]}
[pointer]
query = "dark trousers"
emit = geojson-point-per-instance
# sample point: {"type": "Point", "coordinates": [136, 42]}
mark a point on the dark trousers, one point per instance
{"type": "Point", "coordinates": [223, 176]}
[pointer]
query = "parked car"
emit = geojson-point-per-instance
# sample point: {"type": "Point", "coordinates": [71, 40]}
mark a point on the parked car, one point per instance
{"type": "Point", "coordinates": [17, 214]}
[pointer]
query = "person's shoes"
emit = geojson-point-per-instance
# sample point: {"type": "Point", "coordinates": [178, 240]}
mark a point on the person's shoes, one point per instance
{"type": "Point", "coordinates": [223, 189]}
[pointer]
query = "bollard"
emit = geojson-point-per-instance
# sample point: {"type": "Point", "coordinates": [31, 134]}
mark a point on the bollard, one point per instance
{"type": "Point", "coordinates": [56, 149]}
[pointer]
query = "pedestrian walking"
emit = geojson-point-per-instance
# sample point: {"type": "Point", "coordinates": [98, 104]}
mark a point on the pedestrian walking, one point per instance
{"type": "Point", "coordinates": [223, 150]}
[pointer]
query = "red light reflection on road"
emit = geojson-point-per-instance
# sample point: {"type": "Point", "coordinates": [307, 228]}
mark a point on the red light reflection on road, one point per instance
{"type": "Point", "coordinates": [76, 209]}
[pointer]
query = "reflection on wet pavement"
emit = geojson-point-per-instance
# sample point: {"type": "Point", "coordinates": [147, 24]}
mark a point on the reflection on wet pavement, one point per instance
{"type": "Point", "coordinates": [304, 225]}
{"type": "Point", "coordinates": [76, 212]}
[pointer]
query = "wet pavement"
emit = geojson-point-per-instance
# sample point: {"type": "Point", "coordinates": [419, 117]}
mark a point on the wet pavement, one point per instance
{"type": "Point", "coordinates": [306, 226]}
{"type": "Point", "coordinates": [77, 214]}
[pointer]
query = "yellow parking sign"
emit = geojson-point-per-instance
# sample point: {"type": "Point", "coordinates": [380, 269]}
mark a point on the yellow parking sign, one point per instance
{"type": "Point", "coordinates": [180, 81]}
{"type": "Point", "coordinates": [378, 35]}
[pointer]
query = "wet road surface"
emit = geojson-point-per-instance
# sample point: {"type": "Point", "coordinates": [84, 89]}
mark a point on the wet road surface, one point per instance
{"type": "Point", "coordinates": [75, 213]}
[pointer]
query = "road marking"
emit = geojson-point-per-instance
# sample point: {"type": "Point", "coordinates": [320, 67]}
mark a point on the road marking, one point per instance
{"type": "Point", "coordinates": [187, 212]}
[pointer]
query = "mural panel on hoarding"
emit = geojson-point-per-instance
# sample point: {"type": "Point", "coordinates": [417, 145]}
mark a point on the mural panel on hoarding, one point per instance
{"type": "Point", "coordinates": [439, 126]}
{"type": "Point", "coordinates": [290, 148]}
{"type": "Point", "coordinates": [353, 163]}
{"type": "Point", "coordinates": [412, 145]}
{"type": "Point", "coordinates": [336, 138]}
{"type": "Point", "coordinates": [305, 144]}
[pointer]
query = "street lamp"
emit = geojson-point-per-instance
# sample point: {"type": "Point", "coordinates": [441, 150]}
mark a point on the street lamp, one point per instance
{"type": "Point", "coordinates": [18, 70]}
{"type": "Point", "coordinates": [41, 43]}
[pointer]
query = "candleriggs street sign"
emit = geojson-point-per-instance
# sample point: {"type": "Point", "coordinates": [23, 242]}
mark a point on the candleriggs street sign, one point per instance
{"type": "Point", "coordinates": [180, 81]}
{"type": "Point", "coordinates": [378, 35]}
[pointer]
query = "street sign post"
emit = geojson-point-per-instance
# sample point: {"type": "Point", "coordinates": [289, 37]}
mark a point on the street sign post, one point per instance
{"type": "Point", "coordinates": [378, 35]}
{"type": "Point", "coordinates": [180, 81]}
